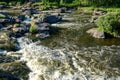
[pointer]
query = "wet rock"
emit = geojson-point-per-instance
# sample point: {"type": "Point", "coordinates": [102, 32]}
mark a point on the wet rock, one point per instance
{"type": "Point", "coordinates": [29, 11]}
{"type": "Point", "coordinates": [21, 30]}
{"type": "Point", "coordinates": [1, 26]}
{"type": "Point", "coordinates": [10, 57]}
{"type": "Point", "coordinates": [7, 76]}
{"type": "Point", "coordinates": [96, 33]}
{"type": "Point", "coordinates": [7, 28]}
{"type": "Point", "coordinates": [2, 6]}
{"type": "Point", "coordinates": [62, 10]}
{"type": "Point", "coordinates": [21, 17]}
{"type": "Point", "coordinates": [96, 14]}
{"type": "Point", "coordinates": [43, 26]}
{"type": "Point", "coordinates": [6, 42]}
{"type": "Point", "coordinates": [17, 68]}
{"type": "Point", "coordinates": [42, 35]}
{"type": "Point", "coordinates": [52, 18]}
{"type": "Point", "coordinates": [28, 34]}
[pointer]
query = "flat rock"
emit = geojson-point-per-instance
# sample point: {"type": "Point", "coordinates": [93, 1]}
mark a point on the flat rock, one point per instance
{"type": "Point", "coordinates": [96, 33]}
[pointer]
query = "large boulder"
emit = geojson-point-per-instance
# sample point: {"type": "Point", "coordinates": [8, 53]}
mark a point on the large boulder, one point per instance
{"type": "Point", "coordinates": [96, 33]}
{"type": "Point", "coordinates": [52, 18]}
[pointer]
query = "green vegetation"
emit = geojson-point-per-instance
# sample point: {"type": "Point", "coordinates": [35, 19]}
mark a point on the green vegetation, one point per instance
{"type": "Point", "coordinates": [69, 3]}
{"type": "Point", "coordinates": [110, 23]}
{"type": "Point", "coordinates": [16, 25]}
{"type": "Point", "coordinates": [2, 16]}
{"type": "Point", "coordinates": [3, 3]}
{"type": "Point", "coordinates": [33, 29]}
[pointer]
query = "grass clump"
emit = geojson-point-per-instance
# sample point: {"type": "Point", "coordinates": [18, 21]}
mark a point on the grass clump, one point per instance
{"type": "Point", "coordinates": [33, 28]}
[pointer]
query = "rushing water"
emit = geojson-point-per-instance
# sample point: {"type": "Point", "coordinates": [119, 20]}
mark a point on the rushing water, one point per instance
{"type": "Point", "coordinates": [91, 63]}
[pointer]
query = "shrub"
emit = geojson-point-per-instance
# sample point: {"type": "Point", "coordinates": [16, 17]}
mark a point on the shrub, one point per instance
{"type": "Point", "coordinates": [109, 23]}
{"type": "Point", "coordinates": [3, 3]}
{"type": "Point", "coordinates": [33, 29]}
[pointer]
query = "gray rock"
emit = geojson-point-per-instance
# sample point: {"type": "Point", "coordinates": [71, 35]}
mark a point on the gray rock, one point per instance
{"type": "Point", "coordinates": [42, 35]}
{"type": "Point", "coordinates": [17, 68]}
{"type": "Point", "coordinates": [96, 14]}
{"type": "Point", "coordinates": [6, 42]}
{"type": "Point", "coordinates": [20, 31]}
{"type": "Point", "coordinates": [62, 10]}
{"type": "Point", "coordinates": [1, 26]}
{"type": "Point", "coordinates": [43, 26]}
{"type": "Point", "coordinates": [96, 33]}
{"type": "Point", "coordinates": [52, 18]}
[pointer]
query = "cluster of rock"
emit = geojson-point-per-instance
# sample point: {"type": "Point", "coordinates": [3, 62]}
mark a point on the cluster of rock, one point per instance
{"type": "Point", "coordinates": [94, 32]}
{"type": "Point", "coordinates": [20, 25]}
{"type": "Point", "coordinates": [96, 14]}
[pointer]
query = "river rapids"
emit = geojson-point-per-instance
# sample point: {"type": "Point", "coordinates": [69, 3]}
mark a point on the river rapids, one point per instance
{"type": "Point", "coordinates": [91, 63]}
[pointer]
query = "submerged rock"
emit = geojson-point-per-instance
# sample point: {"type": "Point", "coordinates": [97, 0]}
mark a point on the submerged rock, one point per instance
{"type": "Point", "coordinates": [96, 33]}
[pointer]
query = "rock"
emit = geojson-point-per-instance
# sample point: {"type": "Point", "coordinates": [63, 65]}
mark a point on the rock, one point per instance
{"type": "Point", "coordinates": [96, 14]}
{"type": "Point", "coordinates": [7, 28]}
{"type": "Point", "coordinates": [16, 68]}
{"type": "Point", "coordinates": [20, 31]}
{"type": "Point", "coordinates": [6, 42]}
{"type": "Point", "coordinates": [62, 10]}
{"type": "Point", "coordinates": [7, 76]}
{"type": "Point", "coordinates": [42, 35]}
{"type": "Point", "coordinates": [29, 11]}
{"type": "Point", "coordinates": [28, 34]}
{"type": "Point", "coordinates": [43, 26]}
{"type": "Point", "coordinates": [21, 17]}
{"type": "Point", "coordinates": [96, 33]}
{"type": "Point", "coordinates": [1, 26]}
{"type": "Point", "coordinates": [2, 6]}
{"type": "Point", "coordinates": [52, 18]}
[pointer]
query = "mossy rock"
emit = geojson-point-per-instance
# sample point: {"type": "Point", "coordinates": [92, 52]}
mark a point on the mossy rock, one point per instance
{"type": "Point", "coordinates": [6, 42]}
{"type": "Point", "coordinates": [17, 68]}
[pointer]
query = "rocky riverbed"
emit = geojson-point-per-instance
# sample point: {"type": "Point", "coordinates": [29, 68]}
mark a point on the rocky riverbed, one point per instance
{"type": "Point", "coordinates": [60, 50]}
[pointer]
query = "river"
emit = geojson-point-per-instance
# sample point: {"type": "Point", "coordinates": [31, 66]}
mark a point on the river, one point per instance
{"type": "Point", "coordinates": [68, 54]}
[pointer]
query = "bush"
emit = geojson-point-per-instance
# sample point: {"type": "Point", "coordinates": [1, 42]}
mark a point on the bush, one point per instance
{"type": "Point", "coordinates": [109, 23]}
{"type": "Point", "coordinates": [33, 29]}
{"type": "Point", "coordinates": [3, 3]}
